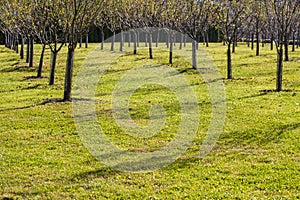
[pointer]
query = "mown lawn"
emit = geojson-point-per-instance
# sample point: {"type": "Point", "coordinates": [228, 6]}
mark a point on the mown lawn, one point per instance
{"type": "Point", "coordinates": [256, 157]}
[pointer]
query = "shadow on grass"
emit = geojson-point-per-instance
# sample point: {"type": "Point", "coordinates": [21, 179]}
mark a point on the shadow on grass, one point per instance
{"type": "Point", "coordinates": [19, 69]}
{"type": "Point", "coordinates": [46, 101]}
{"type": "Point", "coordinates": [266, 92]}
{"type": "Point", "coordinates": [103, 173]}
{"type": "Point", "coordinates": [258, 136]}
{"type": "Point", "coordinates": [33, 77]}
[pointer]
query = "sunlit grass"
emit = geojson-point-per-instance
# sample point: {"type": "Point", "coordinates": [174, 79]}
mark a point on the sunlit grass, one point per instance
{"type": "Point", "coordinates": [257, 155]}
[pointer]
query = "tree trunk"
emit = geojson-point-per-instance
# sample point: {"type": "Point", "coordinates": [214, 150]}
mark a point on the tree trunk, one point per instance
{"type": "Point", "coordinates": [181, 41]}
{"type": "Point", "coordinates": [17, 44]}
{"type": "Point", "coordinates": [69, 73]}
{"type": "Point", "coordinates": [22, 48]}
{"type": "Point", "coordinates": [138, 39]}
{"type": "Point", "coordinates": [146, 39]}
{"type": "Point", "coordinates": [39, 72]}
{"type": "Point", "coordinates": [31, 52]}
{"type": "Point", "coordinates": [286, 51]}
{"type": "Point", "coordinates": [112, 48]}
{"type": "Point", "coordinates": [28, 50]}
{"type": "Point", "coordinates": [157, 38]}
{"type": "Point", "coordinates": [252, 41]}
{"type": "Point", "coordinates": [185, 39]}
{"type": "Point", "coordinates": [298, 38]}
{"type": "Point", "coordinates": [204, 39]}
{"type": "Point", "coordinates": [194, 51]}
{"type": "Point", "coordinates": [102, 39]}
{"type": "Point", "coordinates": [207, 40]}
{"type": "Point", "coordinates": [294, 42]}
{"type": "Point", "coordinates": [150, 46]}
{"type": "Point", "coordinates": [229, 62]}
{"type": "Point", "coordinates": [279, 70]}
{"type": "Point", "coordinates": [53, 67]}
{"type": "Point", "coordinates": [233, 46]}
{"type": "Point", "coordinates": [168, 40]}
{"type": "Point", "coordinates": [135, 43]}
{"type": "Point", "coordinates": [80, 42]}
{"type": "Point", "coordinates": [171, 50]}
{"type": "Point", "coordinates": [272, 42]}
{"type": "Point", "coordinates": [248, 42]}
{"type": "Point", "coordinates": [257, 43]}
{"type": "Point", "coordinates": [129, 39]}
{"type": "Point", "coordinates": [122, 41]}
{"type": "Point", "coordinates": [87, 41]}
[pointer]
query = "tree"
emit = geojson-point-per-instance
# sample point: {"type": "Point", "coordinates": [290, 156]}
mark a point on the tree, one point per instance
{"type": "Point", "coordinates": [230, 16]}
{"type": "Point", "coordinates": [79, 16]}
{"type": "Point", "coordinates": [282, 16]}
{"type": "Point", "coordinates": [257, 15]}
{"type": "Point", "coordinates": [49, 28]}
{"type": "Point", "coordinates": [194, 16]}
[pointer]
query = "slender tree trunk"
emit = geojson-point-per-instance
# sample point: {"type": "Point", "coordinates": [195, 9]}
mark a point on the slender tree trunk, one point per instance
{"type": "Point", "coordinates": [66, 40]}
{"type": "Point", "coordinates": [248, 42]}
{"type": "Point", "coordinates": [28, 50]}
{"type": "Point", "coordinates": [53, 67]}
{"type": "Point", "coordinates": [174, 39]}
{"type": "Point", "coordinates": [233, 45]}
{"type": "Point", "coordinates": [129, 39]}
{"type": "Point", "coordinates": [112, 48]}
{"type": "Point", "coordinates": [69, 73]}
{"type": "Point", "coordinates": [279, 70]}
{"type": "Point", "coordinates": [185, 39]}
{"type": "Point", "coordinates": [171, 50]}
{"type": "Point", "coordinates": [22, 48]}
{"type": "Point", "coordinates": [150, 45]}
{"type": "Point", "coordinates": [272, 42]}
{"type": "Point", "coordinates": [298, 38]}
{"type": "Point", "coordinates": [207, 40]}
{"type": "Point", "coordinates": [257, 44]}
{"type": "Point", "coordinates": [6, 39]}
{"type": "Point", "coordinates": [31, 52]}
{"type": "Point", "coordinates": [181, 41]}
{"type": "Point", "coordinates": [135, 43]}
{"type": "Point", "coordinates": [286, 50]}
{"type": "Point", "coordinates": [229, 62]}
{"type": "Point", "coordinates": [294, 42]}
{"type": "Point", "coordinates": [102, 39]}
{"type": "Point", "coordinates": [138, 39]}
{"type": "Point", "coordinates": [204, 39]}
{"type": "Point", "coordinates": [40, 68]}
{"type": "Point", "coordinates": [146, 39]}
{"type": "Point", "coordinates": [87, 41]}
{"type": "Point", "coordinates": [252, 41]}
{"type": "Point", "coordinates": [194, 54]}
{"type": "Point", "coordinates": [17, 44]}
{"type": "Point", "coordinates": [80, 42]}
{"type": "Point", "coordinates": [157, 38]}
{"type": "Point", "coordinates": [122, 41]}
{"type": "Point", "coordinates": [168, 40]}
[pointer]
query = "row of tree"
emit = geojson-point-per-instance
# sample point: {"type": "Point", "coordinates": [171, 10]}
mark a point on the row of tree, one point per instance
{"type": "Point", "coordinates": [55, 23]}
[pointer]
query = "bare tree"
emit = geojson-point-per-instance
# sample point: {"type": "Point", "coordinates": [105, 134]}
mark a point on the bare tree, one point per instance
{"type": "Point", "coordinates": [230, 15]}
{"type": "Point", "coordinates": [282, 16]}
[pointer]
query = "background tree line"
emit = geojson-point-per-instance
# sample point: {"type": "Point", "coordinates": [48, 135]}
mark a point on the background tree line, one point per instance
{"type": "Point", "coordinates": [58, 23]}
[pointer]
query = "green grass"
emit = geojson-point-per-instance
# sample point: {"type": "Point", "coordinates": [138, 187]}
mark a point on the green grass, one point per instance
{"type": "Point", "coordinates": [256, 157]}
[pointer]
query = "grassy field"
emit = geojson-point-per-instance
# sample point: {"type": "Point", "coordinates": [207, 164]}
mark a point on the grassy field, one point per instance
{"type": "Point", "coordinates": [256, 157]}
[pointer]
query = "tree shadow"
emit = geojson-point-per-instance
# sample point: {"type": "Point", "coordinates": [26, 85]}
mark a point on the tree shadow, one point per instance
{"type": "Point", "coordinates": [34, 77]}
{"type": "Point", "coordinates": [260, 137]}
{"type": "Point", "coordinates": [103, 173]}
{"type": "Point", "coordinates": [19, 69]}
